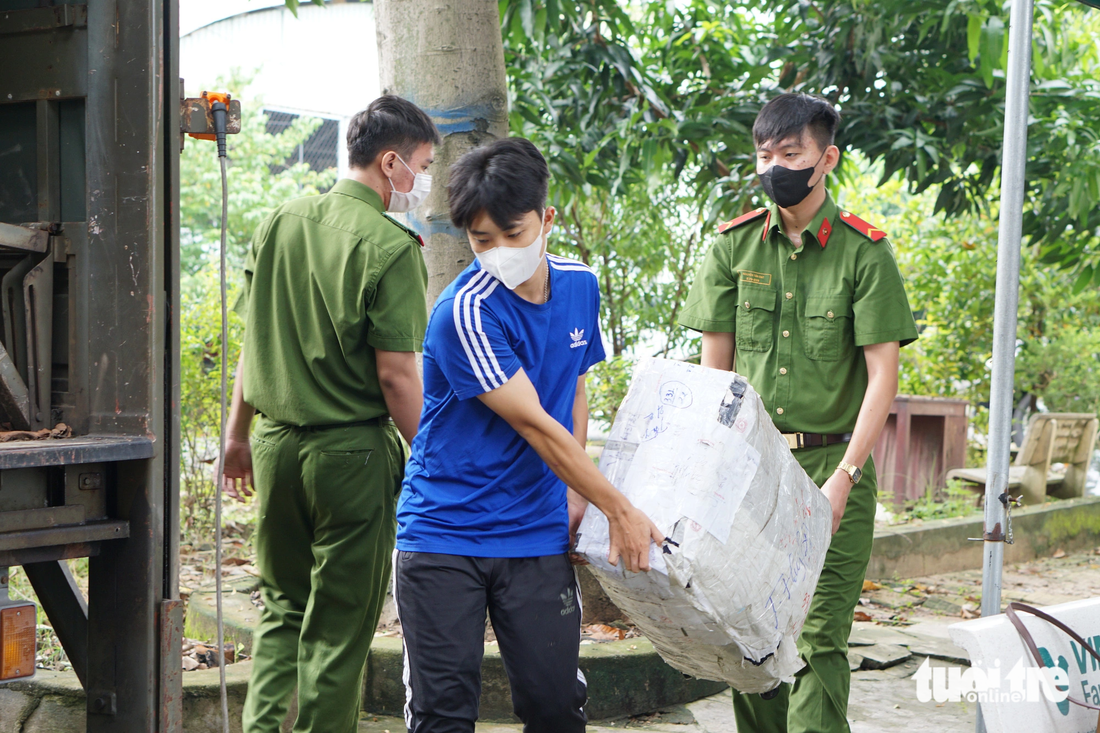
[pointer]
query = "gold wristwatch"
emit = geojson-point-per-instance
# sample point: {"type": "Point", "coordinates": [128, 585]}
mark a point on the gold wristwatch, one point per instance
{"type": "Point", "coordinates": [854, 473]}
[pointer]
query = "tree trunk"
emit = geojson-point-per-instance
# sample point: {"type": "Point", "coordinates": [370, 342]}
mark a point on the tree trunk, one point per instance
{"type": "Point", "coordinates": [448, 58]}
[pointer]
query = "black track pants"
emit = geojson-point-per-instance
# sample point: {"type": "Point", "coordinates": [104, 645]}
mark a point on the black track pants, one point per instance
{"type": "Point", "coordinates": [534, 604]}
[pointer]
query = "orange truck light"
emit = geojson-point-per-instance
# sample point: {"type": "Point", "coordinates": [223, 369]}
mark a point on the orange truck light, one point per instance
{"type": "Point", "coordinates": [17, 640]}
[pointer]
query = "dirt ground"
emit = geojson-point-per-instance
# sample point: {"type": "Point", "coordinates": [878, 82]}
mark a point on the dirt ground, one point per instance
{"type": "Point", "coordinates": [1041, 582]}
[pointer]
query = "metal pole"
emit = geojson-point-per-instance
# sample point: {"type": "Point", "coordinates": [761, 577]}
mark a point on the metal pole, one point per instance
{"type": "Point", "coordinates": [1013, 163]}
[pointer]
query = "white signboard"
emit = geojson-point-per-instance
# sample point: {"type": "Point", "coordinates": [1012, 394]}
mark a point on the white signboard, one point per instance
{"type": "Point", "coordinates": [1015, 695]}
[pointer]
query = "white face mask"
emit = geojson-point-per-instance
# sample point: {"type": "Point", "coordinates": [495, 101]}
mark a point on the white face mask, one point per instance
{"type": "Point", "coordinates": [513, 266]}
{"type": "Point", "coordinates": [408, 200]}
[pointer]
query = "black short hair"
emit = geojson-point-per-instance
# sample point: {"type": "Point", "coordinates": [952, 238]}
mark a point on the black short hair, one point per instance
{"type": "Point", "coordinates": [506, 179]}
{"type": "Point", "coordinates": [388, 123]}
{"type": "Point", "coordinates": [790, 115]}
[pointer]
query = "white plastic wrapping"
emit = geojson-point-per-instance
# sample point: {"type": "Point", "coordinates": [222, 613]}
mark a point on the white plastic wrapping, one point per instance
{"type": "Point", "coordinates": [695, 449]}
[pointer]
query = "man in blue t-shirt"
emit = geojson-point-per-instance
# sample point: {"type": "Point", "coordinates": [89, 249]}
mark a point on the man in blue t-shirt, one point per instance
{"type": "Point", "coordinates": [485, 518]}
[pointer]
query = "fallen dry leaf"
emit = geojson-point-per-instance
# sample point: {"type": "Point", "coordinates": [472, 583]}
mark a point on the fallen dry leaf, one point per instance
{"type": "Point", "coordinates": [603, 632]}
{"type": "Point", "coordinates": [1059, 554]}
{"type": "Point", "coordinates": [863, 616]}
{"type": "Point", "coordinates": [870, 585]}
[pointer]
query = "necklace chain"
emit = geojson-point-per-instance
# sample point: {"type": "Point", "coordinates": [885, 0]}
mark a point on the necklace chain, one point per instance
{"type": "Point", "coordinates": [546, 285]}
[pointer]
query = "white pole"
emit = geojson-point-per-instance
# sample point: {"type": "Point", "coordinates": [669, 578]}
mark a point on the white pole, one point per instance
{"type": "Point", "coordinates": [1013, 164]}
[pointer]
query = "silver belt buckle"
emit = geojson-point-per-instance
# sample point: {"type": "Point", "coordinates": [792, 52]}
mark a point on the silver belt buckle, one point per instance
{"type": "Point", "coordinates": [794, 440]}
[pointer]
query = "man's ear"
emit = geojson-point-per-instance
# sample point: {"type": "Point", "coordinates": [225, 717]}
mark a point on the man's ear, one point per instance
{"type": "Point", "coordinates": [388, 162]}
{"type": "Point", "coordinates": [832, 158]}
{"type": "Point", "coordinates": [548, 219]}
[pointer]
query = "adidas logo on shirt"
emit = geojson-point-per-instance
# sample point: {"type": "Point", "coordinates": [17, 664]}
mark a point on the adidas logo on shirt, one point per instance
{"type": "Point", "coordinates": [577, 334]}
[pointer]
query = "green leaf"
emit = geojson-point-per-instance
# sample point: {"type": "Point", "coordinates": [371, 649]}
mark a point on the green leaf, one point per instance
{"type": "Point", "coordinates": [1038, 60]}
{"type": "Point", "coordinates": [992, 37]}
{"type": "Point", "coordinates": [527, 18]}
{"type": "Point", "coordinates": [540, 25]}
{"type": "Point", "coordinates": [1083, 279]}
{"type": "Point", "coordinates": [973, 35]}
{"type": "Point", "coordinates": [292, 6]}
{"type": "Point", "coordinates": [553, 15]}
{"type": "Point", "coordinates": [649, 154]}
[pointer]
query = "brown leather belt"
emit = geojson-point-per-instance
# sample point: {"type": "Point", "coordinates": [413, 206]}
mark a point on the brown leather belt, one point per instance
{"type": "Point", "coordinates": [815, 440]}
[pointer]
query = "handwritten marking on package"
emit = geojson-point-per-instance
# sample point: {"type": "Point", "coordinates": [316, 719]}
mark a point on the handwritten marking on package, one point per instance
{"type": "Point", "coordinates": [796, 568]}
{"type": "Point", "coordinates": [616, 459]}
{"type": "Point", "coordinates": [655, 424]}
{"type": "Point", "coordinates": [676, 394]}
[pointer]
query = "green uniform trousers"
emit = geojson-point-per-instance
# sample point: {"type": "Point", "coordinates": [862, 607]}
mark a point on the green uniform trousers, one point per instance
{"type": "Point", "coordinates": [324, 545]}
{"type": "Point", "coordinates": [817, 702]}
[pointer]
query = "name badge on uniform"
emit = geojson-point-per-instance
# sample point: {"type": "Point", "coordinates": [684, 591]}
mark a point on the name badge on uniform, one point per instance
{"type": "Point", "coordinates": [756, 278]}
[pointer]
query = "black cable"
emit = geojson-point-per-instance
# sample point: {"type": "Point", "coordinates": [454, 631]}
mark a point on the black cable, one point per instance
{"type": "Point", "coordinates": [220, 114]}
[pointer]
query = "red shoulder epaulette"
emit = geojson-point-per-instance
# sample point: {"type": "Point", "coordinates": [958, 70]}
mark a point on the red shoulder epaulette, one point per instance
{"type": "Point", "coordinates": [872, 233]}
{"type": "Point", "coordinates": [755, 214]}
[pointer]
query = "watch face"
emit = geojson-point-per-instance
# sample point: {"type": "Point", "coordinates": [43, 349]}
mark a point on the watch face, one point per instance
{"type": "Point", "coordinates": [857, 475]}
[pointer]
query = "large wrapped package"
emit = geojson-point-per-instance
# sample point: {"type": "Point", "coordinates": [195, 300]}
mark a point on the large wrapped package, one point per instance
{"type": "Point", "coordinates": [746, 528]}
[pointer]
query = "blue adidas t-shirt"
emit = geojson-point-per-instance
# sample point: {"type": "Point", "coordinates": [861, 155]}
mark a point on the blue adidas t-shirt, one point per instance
{"type": "Point", "coordinates": [473, 486]}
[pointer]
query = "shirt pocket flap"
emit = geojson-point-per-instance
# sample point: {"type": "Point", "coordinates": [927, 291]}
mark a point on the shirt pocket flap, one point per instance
{"type": "Point", "coordinates": [756, 297]}
{"type": "Point", "coordinates": [829, 307]}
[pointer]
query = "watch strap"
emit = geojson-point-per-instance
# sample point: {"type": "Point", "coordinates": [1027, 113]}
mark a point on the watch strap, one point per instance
{"type": "Point", "coordinates": [854, 472]}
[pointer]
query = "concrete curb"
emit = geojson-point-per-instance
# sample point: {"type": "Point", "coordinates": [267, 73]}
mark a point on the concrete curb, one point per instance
{"type": "Point", "coordinates": [624, 678]}
{"type": "Point", "coordinates": [54, 702]}
{"type": "Point", "coordinates": [628, 678]}
{"type": "Point", "coordinates": [241, 616]}
{"type": "Point", "coordinates": [943, 545]}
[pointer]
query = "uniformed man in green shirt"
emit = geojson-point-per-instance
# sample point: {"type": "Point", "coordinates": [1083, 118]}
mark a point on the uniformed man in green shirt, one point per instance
{"type": "Point", "coordinates": [805, 300]}
{"type": "Point", "coordinates": [334, 303]}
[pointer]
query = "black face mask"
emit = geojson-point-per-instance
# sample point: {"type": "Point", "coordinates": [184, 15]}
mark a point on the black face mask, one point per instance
{"type": "Point", "coordinates": [788, 187]}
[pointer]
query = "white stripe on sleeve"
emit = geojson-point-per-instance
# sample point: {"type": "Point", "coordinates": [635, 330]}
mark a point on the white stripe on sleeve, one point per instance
{"type": "Point", "coordinates": [500, 377]}
{"type": "Point", "coordinates": [475, 283]}
{"type": "Point", "coordinates": [471, 323]}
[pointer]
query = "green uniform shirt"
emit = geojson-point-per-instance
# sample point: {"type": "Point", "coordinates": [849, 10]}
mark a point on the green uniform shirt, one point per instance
{"type": "Point", "coordinates": [329, 279]}
{"type": "Point", "coordinates": [800, 315]}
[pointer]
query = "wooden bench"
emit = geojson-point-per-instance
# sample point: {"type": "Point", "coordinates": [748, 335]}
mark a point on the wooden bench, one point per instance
{"type": "Point", "coordinates": [1066, 438]}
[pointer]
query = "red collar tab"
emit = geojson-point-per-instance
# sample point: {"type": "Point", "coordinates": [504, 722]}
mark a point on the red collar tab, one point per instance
{"type": "Point", "coordinates": [872, 233]}
{"type": "Point", "coordinates": [420, 239]}
{"type": "Point", "coordinates": [755, 214]}
{"type": "Point", "coordinates": [767, 228]}
{"type": "Point", "coordinates": [824, 232]}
